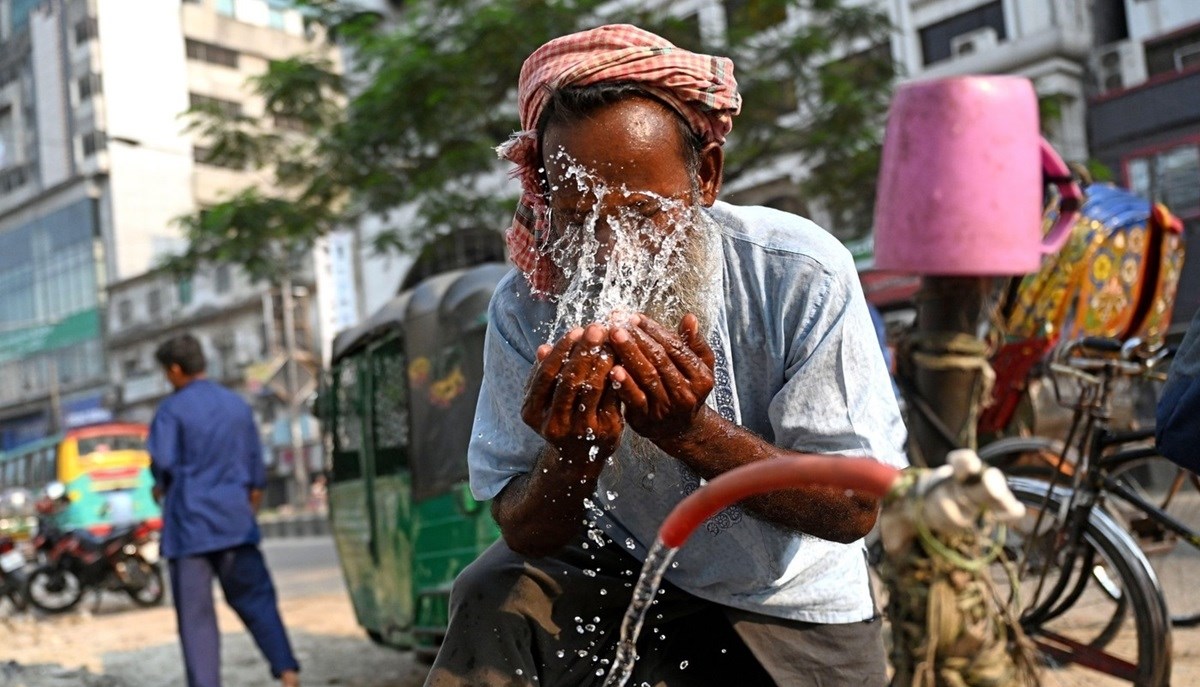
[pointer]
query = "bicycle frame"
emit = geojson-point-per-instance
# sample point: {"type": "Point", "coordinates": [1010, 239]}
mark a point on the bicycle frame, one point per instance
{"type": "Point", "coordinates": [1102, 478]}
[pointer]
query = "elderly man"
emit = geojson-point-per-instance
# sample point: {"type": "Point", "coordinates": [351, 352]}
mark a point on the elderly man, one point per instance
{"type": "Point", "coordinates": [653, 338]}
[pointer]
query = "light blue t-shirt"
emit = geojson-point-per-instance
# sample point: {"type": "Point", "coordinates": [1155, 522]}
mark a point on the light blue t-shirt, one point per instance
{"type": "Point", "coordinates": [798, 363]}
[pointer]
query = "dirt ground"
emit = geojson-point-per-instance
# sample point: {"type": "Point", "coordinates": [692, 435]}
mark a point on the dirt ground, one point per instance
{"type": "Point", "coordinates": [118, 645]}
{"type": "Point", "coordinates": [122, 646]}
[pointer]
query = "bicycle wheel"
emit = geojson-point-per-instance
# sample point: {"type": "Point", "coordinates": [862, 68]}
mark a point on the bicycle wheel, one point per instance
{"type": "Point", "coordinates": [1036, 457]}
{"type": "Point", "coordinates": [1089, 602]}
{"type": "Point", "coordinates": [1175, 558]}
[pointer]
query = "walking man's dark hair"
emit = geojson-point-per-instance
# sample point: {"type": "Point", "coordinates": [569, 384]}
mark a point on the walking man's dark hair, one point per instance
{"type": "Point", "coordinates": [183, 350]}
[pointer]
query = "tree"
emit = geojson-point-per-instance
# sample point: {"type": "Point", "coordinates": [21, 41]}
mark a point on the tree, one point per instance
{"type": "Point", "coordinates": [426, 97]}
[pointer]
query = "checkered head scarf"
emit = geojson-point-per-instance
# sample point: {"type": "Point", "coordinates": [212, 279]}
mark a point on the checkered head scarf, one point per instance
{"type": "Point", "coordinates": [701, 88]}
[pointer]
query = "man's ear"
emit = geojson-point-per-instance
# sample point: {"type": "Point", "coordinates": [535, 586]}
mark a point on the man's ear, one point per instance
{"type": "Point", "coordinates": [712, 166]}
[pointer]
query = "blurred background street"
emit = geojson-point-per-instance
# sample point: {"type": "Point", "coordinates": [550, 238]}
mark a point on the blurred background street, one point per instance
{"type": "Point", "coordinates": [135, 647]}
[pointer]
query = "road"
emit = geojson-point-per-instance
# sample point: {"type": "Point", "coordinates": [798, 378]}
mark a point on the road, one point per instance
{"type": "Point", "coordinates": [134, 647]}
{"type": "Point", "coordinates": [118, 645]}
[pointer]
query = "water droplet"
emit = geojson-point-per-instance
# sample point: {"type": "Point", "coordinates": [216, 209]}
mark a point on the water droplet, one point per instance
{"type": "Point", "coordinates": [520, 672]}
{"type": "Point", "coordinates": [561, 653]}
{"type": "Point", "coordinates": [629, 544]}
{"type": "Point", "coordinates": [683, 666]}
{"type": "Point", "coordinates": [603, 592]}
{"type": "Point", "coordinates": [589, 573]}
{"type": "Point", "coordinates": [612, 495]}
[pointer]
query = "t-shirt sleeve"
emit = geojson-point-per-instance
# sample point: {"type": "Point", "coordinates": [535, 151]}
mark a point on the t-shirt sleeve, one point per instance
{"type": "Point", "coordinates": [502, 445]}
{"type": "Point", "coordinates": [163, 445]}
{"type": "Point", "coordinates": [837, 394]}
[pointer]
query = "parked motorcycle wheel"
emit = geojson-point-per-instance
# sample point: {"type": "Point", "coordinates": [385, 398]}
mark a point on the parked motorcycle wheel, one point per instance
{"type": "Point", "coordinates": [16, 590]}
{"type": "Point", "coordinates": [53, 590]}
{"type": "Point", "coordinates": [148, 590]}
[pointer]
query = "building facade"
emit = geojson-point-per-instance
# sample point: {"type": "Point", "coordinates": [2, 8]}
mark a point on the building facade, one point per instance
{"type": "Point", "coordinates": [1144, 117]}
{"type": "Point", "coordinates": [95, 166]}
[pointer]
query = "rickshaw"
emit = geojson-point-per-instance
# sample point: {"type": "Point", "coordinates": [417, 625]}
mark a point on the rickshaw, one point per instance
{"type": "Point", "coordinates": [397, 406]}
{"type": "Point", "coordinates": [1115, 277]}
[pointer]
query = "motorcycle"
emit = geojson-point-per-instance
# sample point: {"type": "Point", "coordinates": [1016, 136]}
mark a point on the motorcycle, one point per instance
{"type": "Point", "coordinates": [72, 562]}
{"type": "Point", "coordinates": [12, 573]}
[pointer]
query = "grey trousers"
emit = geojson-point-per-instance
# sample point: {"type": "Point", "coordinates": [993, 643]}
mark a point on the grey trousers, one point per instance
{"type": "Point", "coordinates": [555, 621]}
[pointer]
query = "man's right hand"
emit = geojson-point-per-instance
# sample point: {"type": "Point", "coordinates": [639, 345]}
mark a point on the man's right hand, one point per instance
{"type": "Point", "coordinates": [571, 404]}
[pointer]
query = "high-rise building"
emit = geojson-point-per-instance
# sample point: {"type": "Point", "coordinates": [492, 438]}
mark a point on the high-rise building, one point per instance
{"type": "Point", "coordinates": [95, 165]}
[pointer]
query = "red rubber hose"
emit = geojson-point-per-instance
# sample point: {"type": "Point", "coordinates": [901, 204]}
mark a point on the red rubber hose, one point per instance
{"type": "Point", "coordinates": [858, 474]}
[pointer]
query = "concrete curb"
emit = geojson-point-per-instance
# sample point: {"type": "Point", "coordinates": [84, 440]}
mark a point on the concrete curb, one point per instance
{"type": "Point", "coordinates": [299, 525]}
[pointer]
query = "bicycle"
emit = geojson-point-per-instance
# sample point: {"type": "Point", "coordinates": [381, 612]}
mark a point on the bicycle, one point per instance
{"type": "Point", "coordinates": [1080, 584]}
{"type": "Point", "coordinates": [1157, 501]}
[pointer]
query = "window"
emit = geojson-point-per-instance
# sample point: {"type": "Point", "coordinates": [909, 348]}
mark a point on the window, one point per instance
{"type": "Point", "coordinates": [390, 408]}
{"type": "Point", "coordinates": [1171, 177]}
{"type": "Point", "coordinates": [154, 304]}
{"type": "Point", "coordinates": [125, 311]}
{"type": "Point", "coordinates": [204, 156]}
{"type": "Point", "coordinates": [227, 8]}
{"type": "Point", "coordinates": [94, 141]}
{"type": "Point", "coordinates": [751, 16]}
{"type": "Point", "coordinates": [103, 443]}
{"type": "Point", "coordinates": [185, 290]}
{"type": "Point", "coordinates": [287, 123]}
{"type": "Point", "coordinates": [222, 279]}
{"type": "Point", "coordinates": [213, 54]}
{"type": "Point", "coordinates": [1176, 53]}
{"type": "Point", "coordinates": [130, 368]}
{"type": "Point", "coordinates": [938, 41]}
{"type": "Point", "coordinates": [275, 10]}
{"type": "Point", "coordinates": [15, 177]}
{"type": "Point", "coordinates": [9, 73]}
{"type": "Point", "coordinates": [228, 108]}
{"type": "Point", "coordinates": [347, 434]}
{"type": "Point", "coordinates": [226, 350]}
{"type": "Point", "coordinates": [86, 29]}
{"type": "Point", "coordinates": [89, 85]}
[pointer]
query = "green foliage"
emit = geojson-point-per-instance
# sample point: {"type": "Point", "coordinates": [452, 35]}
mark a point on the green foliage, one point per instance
{"type": "Point", "coordinates": [427, 96]}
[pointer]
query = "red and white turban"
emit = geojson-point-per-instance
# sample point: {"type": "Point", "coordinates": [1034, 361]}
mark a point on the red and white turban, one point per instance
{"type": "Point", "coordinates": [701, 88]}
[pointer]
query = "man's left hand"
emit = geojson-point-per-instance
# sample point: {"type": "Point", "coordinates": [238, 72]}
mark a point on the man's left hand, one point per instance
{"type": "Point", "coordinates": [664, 376]}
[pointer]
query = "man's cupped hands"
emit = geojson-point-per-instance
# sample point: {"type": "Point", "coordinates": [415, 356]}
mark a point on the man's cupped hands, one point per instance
{"type": "Point", "coordinates": [587, 386]}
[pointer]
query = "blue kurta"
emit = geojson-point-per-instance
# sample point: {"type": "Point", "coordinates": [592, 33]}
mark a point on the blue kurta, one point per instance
{"type": "Point", "coordinates": [206, 456]}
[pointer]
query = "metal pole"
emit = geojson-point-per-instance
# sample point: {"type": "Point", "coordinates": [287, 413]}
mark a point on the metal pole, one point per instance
{"type": "Point", "coordinates": [299, 461]}
{"type": "Point", "coordinates": [56, 418]}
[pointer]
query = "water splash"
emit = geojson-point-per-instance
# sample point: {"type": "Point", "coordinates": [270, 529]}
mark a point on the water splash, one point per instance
{"type": "Point", "coordinates": [657, 560]}
{"type": "Point", "coordinates": [625, 251]}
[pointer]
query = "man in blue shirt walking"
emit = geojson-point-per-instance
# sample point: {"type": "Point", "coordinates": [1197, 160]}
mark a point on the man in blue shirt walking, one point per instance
{"type": "Point", "coordinates": [208, 469]}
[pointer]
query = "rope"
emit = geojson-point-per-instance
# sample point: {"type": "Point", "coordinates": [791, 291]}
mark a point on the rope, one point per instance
{"type": "Point", "coordinates": [950, 628]}
{"type": "Point", "coordinates": [948, 352]}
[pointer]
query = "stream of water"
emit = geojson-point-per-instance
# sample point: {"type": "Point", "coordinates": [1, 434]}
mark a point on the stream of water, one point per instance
{"type": "Point", "coordinates": [658, 558]}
